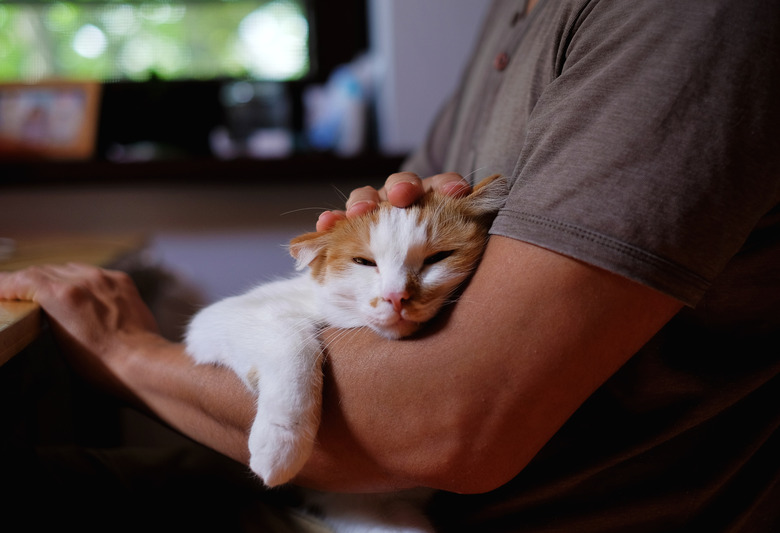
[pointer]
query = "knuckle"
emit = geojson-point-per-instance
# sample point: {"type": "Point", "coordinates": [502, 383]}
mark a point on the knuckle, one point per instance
{"type": "Point", "coordinates": [451, 183]}
{"type": "Point", "coordinates": [362, 194]}
{"type": "Point", "coordinates": [35, 272]}
{"type": "Point", "coordinates": [122, 280]}
{"type": "Point", "coordinates": [106, 281]}
{"type": "Point", "coordinates": [34, 276]}
{"type": "Point", "coordinates": [447, 177]}
{"type": "Point", "coordinates": [402, 177]}
{"type": "Point", "coordinates": [69, 292]}
{"type": "Point", "coordinates": [363, 191]}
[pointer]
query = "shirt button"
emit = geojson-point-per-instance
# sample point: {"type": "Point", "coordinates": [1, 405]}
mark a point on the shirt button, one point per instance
{"type": "Point", "coordinates": [501, 61]}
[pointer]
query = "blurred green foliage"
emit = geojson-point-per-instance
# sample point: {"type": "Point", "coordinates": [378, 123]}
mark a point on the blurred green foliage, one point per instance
{"type": "Point", "coordinates": [136, 40]}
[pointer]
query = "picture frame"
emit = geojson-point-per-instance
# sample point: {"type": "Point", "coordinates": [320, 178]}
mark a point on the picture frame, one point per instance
{"type": "Point", "coordinates": [49, 119]}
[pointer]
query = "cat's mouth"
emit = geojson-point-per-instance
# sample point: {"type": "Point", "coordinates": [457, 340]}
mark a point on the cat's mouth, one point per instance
{"type": "Point", "coordinates": [396, 329]}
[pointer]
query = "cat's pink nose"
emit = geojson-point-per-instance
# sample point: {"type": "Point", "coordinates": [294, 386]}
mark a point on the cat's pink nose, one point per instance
{"type": "Point", "coordinates": [397, 299]}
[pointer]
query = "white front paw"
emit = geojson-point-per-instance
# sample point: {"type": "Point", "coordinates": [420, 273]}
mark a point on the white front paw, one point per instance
{"type": "Point", "coordinates": [280, 448]}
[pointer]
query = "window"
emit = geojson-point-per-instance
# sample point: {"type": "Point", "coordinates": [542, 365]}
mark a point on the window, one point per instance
{"type": "Point", "coordinates": [136, 40]}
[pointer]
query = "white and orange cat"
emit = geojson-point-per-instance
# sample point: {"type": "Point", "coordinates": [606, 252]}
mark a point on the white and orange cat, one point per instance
{"type": "Point", "coordinates": [390, 270]}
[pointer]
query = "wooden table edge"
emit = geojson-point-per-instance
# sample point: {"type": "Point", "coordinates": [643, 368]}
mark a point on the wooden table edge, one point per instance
{"type": "Point", "coordinates": [20, 324]}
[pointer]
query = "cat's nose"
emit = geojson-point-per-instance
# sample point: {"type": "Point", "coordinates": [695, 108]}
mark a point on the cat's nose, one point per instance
{"type": "Point", "coordinates": [397, 299]}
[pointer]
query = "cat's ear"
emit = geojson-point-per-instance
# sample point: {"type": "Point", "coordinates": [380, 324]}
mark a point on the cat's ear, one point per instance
{"type": "Point", "coordinates": [488, 195]}
{"type": "Point", "coordinates": [307, 247]}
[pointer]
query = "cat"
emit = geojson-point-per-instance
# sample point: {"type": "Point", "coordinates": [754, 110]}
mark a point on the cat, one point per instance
{"type": "Point", "coordinates": [390, 270]}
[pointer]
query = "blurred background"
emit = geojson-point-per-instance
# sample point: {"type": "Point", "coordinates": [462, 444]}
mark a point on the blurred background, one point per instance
{"type": "Point", "coordinates": [199, 136]}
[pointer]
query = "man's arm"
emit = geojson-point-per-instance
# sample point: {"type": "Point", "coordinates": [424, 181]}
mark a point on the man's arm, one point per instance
{"type": "Point", "coordinates": [463, 408]}
{"type": "Point", "coordinates": [466, 407]}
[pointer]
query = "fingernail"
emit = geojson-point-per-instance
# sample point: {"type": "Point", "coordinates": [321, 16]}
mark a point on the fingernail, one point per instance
{"type": "Point", "coordinates": [415, 184]}
{"type": "Point", "coordinates": [360, 207]}
{"type": "Point", "coordinates": [455, 188]}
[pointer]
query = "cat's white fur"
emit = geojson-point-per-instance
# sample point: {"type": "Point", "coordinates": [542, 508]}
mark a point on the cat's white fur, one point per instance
{"type": "Point", "coordinates": [269, 336]}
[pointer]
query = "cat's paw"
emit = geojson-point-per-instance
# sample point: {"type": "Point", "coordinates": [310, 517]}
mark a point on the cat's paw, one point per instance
{"type": "Point", "coordinates": [279, 450]}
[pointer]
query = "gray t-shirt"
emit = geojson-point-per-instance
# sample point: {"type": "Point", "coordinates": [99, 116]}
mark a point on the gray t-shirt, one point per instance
{"type": "Point", "coordinates": [644, 138]}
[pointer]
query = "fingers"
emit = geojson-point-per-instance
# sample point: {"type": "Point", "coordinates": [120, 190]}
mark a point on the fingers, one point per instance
{"type": "Point", "coordinates": [84, 300]}
{"type": "Point", "coordinates": [449, 183]}
{"type": "Point", "coordinates": [25, 284]}
{"type": "Point", "coordinates": [360, 201]}
{"type": "Point", "coordinates": [55, 282]}
{"type": "Point", "coordinates": [329, 218]}
{"type": "Point", "coordinates": [401, 189]}
{"type": "Point", "coordinates": [405, 188]}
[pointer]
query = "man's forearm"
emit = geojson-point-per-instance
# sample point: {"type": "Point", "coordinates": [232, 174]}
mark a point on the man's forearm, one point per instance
{"type": "Point", "coordinates": [211, 405]}
{"type": "Point", "coordinates": [207, 403]}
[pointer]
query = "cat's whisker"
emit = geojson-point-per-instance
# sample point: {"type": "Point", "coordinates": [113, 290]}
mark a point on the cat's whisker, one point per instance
{"type": "Point", "coordinates": [343, 196]}
{"type": "Point", "coordinates": [293, 211]}
{"type": "Point", "coordinates": [467, 176]}
{"type": "Point", "coordinates": [340, 334]}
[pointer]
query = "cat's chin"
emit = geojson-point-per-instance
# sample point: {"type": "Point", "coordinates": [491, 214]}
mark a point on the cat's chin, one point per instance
{"type": "Point", "coordinates": [397, 330]}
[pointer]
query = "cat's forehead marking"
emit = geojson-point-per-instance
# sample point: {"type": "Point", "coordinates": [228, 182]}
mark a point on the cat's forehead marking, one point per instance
{"type": "Point", "coordinates": [397, 230]}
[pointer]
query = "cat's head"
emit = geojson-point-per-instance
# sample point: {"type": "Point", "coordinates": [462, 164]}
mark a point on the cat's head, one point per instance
{"type": "Point", "coordinates": [393, 269]}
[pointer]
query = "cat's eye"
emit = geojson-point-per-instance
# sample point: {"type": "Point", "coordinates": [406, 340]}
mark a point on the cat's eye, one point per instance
{"type": "Point", "coordinates": [363, 261]}
{"type": "Point", "coordinates": [438, 256]}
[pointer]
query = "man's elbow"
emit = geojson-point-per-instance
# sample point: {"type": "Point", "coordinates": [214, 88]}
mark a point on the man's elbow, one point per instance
{"type": "Point", "coordinates": [467, 469]}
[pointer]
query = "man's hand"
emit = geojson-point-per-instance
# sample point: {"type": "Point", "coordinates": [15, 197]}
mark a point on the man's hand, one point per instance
{"type": "Point", "coordinates": [111, 339]}
{"type": "Point", "coordinates": [95, 314]}
{"type": "Point", "coordinates": [401, 189]}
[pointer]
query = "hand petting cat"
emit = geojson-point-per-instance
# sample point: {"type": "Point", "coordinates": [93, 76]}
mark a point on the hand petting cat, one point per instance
{"type": "Point", "coordinates": [401, 189]}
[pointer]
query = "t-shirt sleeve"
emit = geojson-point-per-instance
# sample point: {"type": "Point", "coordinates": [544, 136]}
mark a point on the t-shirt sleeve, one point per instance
{"type": "Point", "coordinates": [654, 151]}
